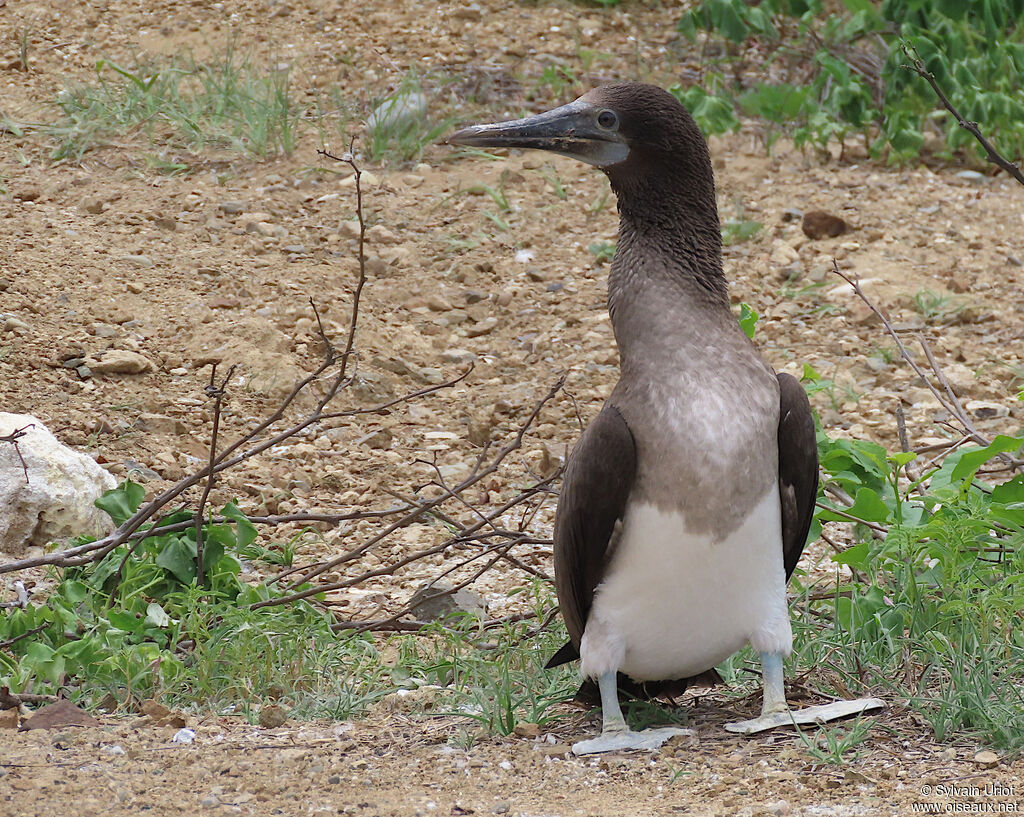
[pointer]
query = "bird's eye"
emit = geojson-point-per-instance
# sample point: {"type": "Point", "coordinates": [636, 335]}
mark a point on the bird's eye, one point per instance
{"type": "Point", "coordinates": [608, 120]}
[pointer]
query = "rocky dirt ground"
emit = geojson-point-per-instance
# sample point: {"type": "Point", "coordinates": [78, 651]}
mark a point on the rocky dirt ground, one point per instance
{"type": "Point", "coordinates": [107, 256]}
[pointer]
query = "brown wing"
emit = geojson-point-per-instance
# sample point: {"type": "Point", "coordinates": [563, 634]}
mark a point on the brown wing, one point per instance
{"type": "Point", "coordinates": [597, 483]}
{"type": "Point", "coordinates": [798, 468]}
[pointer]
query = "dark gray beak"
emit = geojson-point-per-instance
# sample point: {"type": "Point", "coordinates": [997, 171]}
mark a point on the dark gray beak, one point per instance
{"type": "Point", "coordinates": [571, 130]}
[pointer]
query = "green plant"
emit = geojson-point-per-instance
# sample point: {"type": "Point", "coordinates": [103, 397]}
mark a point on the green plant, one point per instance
{"type": "Point", "coordinates": [936, 305]}
{"type": "Point", "coordinates": [832, 744]}
{"type": "Point", "coordinates": [602, 251]}
{"type": "Point", "coordinates": [931, 612]}
{"type": "Point", "coordinates": [739, 230]}
{"type": "Point", "coordinates": [226, 101]}
{"type": "Point", "coordinates": [748, 320]}
{"type": "Point", "coordinates": [854, 82]}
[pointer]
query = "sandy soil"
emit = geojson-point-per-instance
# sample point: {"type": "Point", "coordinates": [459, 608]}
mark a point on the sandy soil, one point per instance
{"type": "Point", "coordinates": [217, 265]}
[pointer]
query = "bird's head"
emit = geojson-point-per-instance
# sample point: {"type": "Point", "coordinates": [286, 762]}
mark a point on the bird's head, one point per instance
{"type": "Point", "coordinates": [627, 130]}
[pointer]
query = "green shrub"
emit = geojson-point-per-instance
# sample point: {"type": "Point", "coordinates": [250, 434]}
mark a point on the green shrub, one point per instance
{"type": "Point", "coordinates": [845, 71]}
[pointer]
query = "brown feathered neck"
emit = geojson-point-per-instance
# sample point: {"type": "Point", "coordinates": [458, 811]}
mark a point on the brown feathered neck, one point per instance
{"type": "Point", "coordinates": [666, 190]}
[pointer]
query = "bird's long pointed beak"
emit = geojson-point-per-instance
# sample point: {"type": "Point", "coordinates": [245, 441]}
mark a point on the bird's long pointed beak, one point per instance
{"type": "Point", "coordinates": [570, 130]}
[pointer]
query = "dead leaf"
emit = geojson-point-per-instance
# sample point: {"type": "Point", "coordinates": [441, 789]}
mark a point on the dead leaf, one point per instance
{"type": "Point", "coordinates": [157, 711]}
{"type": "Point", "coordinates": [58, 715]}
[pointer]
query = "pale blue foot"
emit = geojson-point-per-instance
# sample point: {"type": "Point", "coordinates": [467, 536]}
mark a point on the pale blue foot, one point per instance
{"type": "Point", "coordinates": [648, 740]}
{"type": "Point", "coordinates": [775, 711]}
{"type": "Point", "coordinates": [615, 735]}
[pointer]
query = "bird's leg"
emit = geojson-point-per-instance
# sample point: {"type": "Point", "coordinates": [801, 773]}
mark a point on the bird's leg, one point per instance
{"type": "Point", "coordinates": [615, 734]}
{"type": "Point", "coordinates": [776, 712]}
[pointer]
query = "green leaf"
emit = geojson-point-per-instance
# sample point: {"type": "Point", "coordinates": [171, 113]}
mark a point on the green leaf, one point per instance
{"type": "Point", "coordinates": [122, 502]}
{"type": "Point", "coordinates": [867, 505]}
{"type": "Point", "coordinates": [902, 458]}
{"type": "Point", "coordinates": [179, 557]}
{"type": "Point", "coordinates": [972, 459]}
{"type": "Point", "coordinates": [748, 320]}
{"type": "Point", "coordinates": [856, 556]}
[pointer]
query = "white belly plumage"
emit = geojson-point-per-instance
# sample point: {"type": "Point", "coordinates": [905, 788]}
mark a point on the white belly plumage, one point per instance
{"type": "Point", "coordinates": [674, 604]}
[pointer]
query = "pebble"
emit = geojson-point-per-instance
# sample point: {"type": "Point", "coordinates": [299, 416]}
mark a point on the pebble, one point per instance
{"type": "Point", "coordinates": [232, 208]}
{"type": "Point", "coordinates": [484, 327]}
{"type": "Point", "coordinates": [120, 361]}
{"type": "Point", "coordinates": [972, 176]}
{"type": "Point", "coordinates": [461, 356]}
{"type": "Point", "coordinates": [818, 224]}
{"type": "Point", "coordinates": [987, 411]}
{"type": "Point", "coordinates": [185, 736]}
{"type": "Point", "coordinates": [986, 759]}
{"type": "Point", "coordinates": [12, 324]}
{"type": "Point", "coordinates": [272, 716]}
{"type": "Point", "coordinates": [138, 261]}
{"type": "Point", "coordinates": [294, 249]}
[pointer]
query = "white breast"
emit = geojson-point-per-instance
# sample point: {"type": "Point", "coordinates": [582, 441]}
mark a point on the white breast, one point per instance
{"type": "Point", "coordinates": [674, 604]}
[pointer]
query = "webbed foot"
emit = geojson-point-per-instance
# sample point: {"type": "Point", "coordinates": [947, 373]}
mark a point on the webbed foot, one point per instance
{"type": "Point", "coordinates": [627, 739]}
{"type": "Point", "coordinates": [812, 714]}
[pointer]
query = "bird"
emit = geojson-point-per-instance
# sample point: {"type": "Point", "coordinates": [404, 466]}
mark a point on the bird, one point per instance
{"type": "Point", "coordinates": [686, 503]}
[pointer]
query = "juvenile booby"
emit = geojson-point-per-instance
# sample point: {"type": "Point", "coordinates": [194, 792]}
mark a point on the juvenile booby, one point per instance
{"type": "Point", "coordinates": [686, 503]}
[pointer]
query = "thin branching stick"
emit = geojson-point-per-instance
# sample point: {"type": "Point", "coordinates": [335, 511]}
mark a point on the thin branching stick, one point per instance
{"type": "Point", "coordinates": [991, 154]}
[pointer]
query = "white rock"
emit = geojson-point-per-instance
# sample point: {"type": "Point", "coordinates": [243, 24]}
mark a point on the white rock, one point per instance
{"type": "Point", "coordinates": [57, 500]}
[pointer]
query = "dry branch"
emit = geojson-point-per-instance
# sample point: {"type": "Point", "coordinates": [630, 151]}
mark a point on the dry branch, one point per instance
{"type": "Point", "coordinates": [991, 154]}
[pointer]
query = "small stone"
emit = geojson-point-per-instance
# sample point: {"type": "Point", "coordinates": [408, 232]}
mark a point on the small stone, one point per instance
{"type": "Point", "coordinates": [11, 324]}
{"type": "Point", "coordinates": [295, 249]}
{"type": "Point", "coordinates": [536, 274]}
{"type": "Point", "coordinates": [93, 205]}
{"type": "Point", "coordinates": [232, 208]}
{"type": "Point", "coordinates": [379, 439]}
{"type": "Point", "coordinates": [460, 356]}
{"type": "Point", "coordinates": [349, 229]}
{"type": "Point", "coordinates": [334, 780]}
{"type": "Point", "coordinates": [427, 605]}
{"type": "Point", "coordinates": [501, 807]}
{"type": "Point", "coordinates": [484, 327]}
{"type": "Point", "coordinates": [272, 716]}
{"type": "Point", "coordinates": [436, 303]}
{"type": "Point", "coordinates": [479, 430]}
{"type": "Point", "coordinates": [792, 214]}
{"type": "Point", "coordinates": [119, 361]}
{"type": "Point", "coordinates": [27, 194]}
{"type": "Point", "coordinates": [972, 176]}
{"type": "Point", "coordinates": [819, 224]}
{"type": "Point", "coordinates": [138, 261]}
{"type": "Point", "coordinates": [987, 411]}
{"type": "Point", "coordinates": [379, 234]}
{"type": "Point", "coordinates": [986, 759]}
{"type": "Point", "coordinates": [430, 375]}
{"type": "Point", "coordinates": [527, 730]}
{"type": "Point", "coordinates": [782, 254]}
{"type": "Point", "coordinates": [9, 718]}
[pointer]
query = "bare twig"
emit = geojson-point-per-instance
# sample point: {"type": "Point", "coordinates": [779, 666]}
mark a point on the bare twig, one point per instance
{"type": "Point", "coordinates": [991, 154]}
{"type": "Point", "coordinates": [26, 634]}
{"type": "Point", "coordinates": [217, 392]}
{"type": "Point", "coordinates": [349, 159]}
{"type": "Point", "coordinates": [13, 438]}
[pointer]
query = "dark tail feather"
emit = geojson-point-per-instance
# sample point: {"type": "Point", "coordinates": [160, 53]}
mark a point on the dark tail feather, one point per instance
{"type": "Point", "coordinates": [566, 653]}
